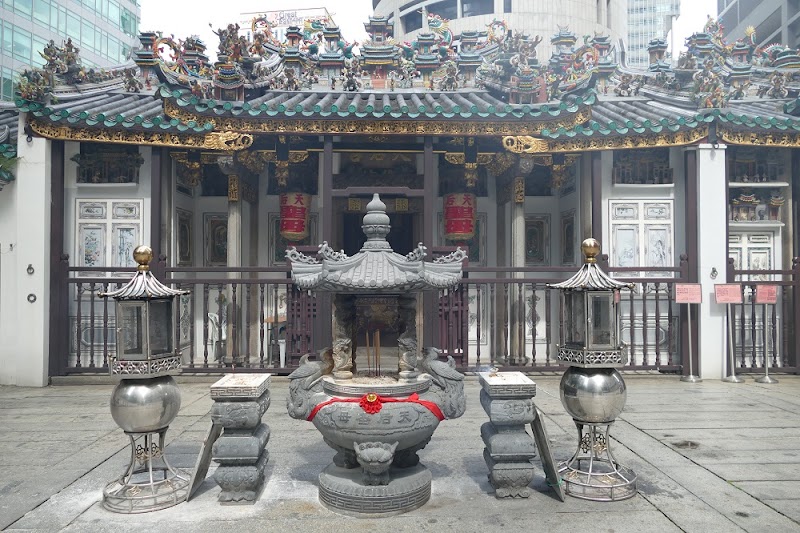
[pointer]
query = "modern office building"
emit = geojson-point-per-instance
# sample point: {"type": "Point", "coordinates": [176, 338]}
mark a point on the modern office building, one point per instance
{"type": "Point", "coordinates": [103, 30]}
{"type": "Point", "coordinates": [647, 20]}
{"type": "Point", "coordinates": [583, 17]}
{"type": "Point", "coordinates": [775, 21]}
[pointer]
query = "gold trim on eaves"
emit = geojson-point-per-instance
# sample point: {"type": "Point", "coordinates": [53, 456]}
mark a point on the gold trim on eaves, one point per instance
{"type": "Point", "coordinates": [523, 144]}
{"type": "Point", "coordinates": [786, 140]}
{"type": "Point", "coordinates": [224, 140]}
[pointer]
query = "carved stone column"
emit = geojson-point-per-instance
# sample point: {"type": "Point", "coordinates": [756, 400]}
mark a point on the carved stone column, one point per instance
{"type": "Point", "coordinates": [234, 256]}
{"type": "Point", "coordinates": [517, 327]}
{"type": "Point", "coordinates": [240, 400]}
{"type": "Point", "coordinates": [507, 397]}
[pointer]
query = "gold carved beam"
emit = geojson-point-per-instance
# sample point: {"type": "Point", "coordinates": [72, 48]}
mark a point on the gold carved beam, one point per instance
{"type": "Point", "coordinates": [223, 140]}
{"type": "Point", "coordinates": [367, 126]}
{"type": "Point", "coordinates": [525, 144]}
{"type": "Point", "coordinates": [785, 140]}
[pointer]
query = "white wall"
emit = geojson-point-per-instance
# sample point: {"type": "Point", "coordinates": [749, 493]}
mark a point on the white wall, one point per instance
{"type": "Point", "coordinates": [25, 240]}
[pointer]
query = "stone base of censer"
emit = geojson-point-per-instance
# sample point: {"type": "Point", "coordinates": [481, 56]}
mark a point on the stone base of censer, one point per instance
{"type": "Point", "coordinates": [376, 425]}
{"type": "Point", "coordinates": [341, 490]}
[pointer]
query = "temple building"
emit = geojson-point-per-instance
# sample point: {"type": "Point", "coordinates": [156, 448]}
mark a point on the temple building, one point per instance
{"type": "Point", "coordinates": [685, 174]}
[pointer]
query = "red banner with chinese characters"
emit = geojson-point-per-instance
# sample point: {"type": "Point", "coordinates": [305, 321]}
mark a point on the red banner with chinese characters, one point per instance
{"type": "Point", "coordinates": [295, 207]}
{"type": "Point", "coordinates": [459, 216]}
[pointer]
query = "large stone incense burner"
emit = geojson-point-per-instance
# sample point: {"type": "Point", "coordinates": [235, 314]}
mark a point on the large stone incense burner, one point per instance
{"type": "Point", "coordinates": [375, 421]}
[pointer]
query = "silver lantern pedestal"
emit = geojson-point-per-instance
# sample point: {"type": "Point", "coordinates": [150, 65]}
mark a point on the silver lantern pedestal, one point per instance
{"type": "Point", "coordinates": [592, 390]}
{"type": "Point", "coordinates": [147, 399]}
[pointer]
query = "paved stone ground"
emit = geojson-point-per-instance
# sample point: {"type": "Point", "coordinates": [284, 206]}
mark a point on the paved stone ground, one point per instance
{"type": "Point", "coordinates": [710, 457]}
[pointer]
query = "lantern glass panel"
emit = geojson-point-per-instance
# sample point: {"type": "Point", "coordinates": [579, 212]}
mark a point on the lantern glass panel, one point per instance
{"type": "Point", "coordinates": [602, 323]}
{"type": "Point", "coordinates": [574, 318]}
{"type": "Point", "coordinates": [130, 330]}
{"type": "Point", "coordinates": [160, 319]}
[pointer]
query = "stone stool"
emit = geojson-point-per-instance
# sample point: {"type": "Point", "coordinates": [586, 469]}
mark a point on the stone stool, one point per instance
{"type": "Point", "coordinates": [507, 397]}
{"type": "Point", "coordinates": [240, 400]}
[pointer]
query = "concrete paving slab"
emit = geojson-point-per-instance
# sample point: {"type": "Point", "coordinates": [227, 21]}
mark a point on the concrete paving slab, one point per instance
{"type": "Point", "coordinates": [769, 490]}
{"type": "Point", "coordinates": [683, 471]}
{"type": "Point", "coordinates": [790, 508]}
{"type": "Point", "coordinates": [757, 472]}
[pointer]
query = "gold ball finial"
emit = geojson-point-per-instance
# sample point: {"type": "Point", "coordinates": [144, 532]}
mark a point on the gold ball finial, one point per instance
{"type": "Point", "coordinates": [591, 249]}
{"type": "Point", "coordinates": [143, 255]}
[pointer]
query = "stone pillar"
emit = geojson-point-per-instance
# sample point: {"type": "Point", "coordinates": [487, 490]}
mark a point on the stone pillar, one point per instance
{"type": "Point", "coordinates": [516, 326]}
{"type": "Point", "coordinates": [25, 296]}
{"type": "Point", "coordinates": [507, 397]}
{"type": "Point", "coordinates": [712, 227]}
{"type": "Point", "coordinates": [240, 400]}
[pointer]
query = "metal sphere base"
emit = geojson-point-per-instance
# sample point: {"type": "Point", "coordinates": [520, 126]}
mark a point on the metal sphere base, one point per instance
{"type": "Point", "coordinates": [691, 379]}
{"type": "Point", "coordinates": [593, 473]}
{"type": "Point", "coordinates": [149, 483]}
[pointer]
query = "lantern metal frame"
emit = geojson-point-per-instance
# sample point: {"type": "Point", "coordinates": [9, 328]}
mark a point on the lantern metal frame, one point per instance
{"type": "Point", "coordinates": [592, 390]}
{"type": "Point", "coordinates": [146, 399]}
{"type": "Point", "coordinates": [155, 330]}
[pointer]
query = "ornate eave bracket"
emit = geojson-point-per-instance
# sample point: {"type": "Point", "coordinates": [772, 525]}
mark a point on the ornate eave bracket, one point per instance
{"type": "Point", "coordinates": [228, 141]}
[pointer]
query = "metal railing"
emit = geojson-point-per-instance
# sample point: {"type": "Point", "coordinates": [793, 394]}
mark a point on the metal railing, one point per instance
{"type": "Point", "coordinates": [254, 319]}
{"type": "Point", "coordinates": [766, 334]}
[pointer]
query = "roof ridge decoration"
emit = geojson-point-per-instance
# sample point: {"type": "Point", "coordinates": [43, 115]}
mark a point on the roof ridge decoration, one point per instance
{"type": "Point", "coordinates": [712, 72]}
{"type": "Point", "coordinates": [8, 157]}
{"type": "Point", "coordinates": [64, 75]}
{"type": "Point", "coordinates": [493, 59]}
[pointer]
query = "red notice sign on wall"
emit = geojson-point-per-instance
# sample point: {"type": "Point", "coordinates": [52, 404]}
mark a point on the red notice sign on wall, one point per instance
{"type": "Point", "coordinates": [766, 294]}
{"type": "Point", "coordinates": [688, 293]}
{"type": "Point", "coordinates": [728, 293]}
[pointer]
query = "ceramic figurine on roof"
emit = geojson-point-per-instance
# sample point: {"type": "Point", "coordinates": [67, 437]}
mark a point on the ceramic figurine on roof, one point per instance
{"type": "Point", "coordinates": [444, 36]}
{"type": "Point", "coordinates": [378, 53]}
{"type": "Point", "coordinates": [62, 74]}
{"type": "Point", "coordinates": [8, 157]}
{"type": "Point", "coordinates": [515, 73]}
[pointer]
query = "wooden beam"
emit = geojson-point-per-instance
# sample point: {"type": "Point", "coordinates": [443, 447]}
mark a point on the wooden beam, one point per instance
{"type": "Point", "coordinates": [59, 261]}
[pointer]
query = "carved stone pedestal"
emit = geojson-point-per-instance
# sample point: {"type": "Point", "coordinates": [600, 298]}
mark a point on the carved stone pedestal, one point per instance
{"type": "Point", "coordinates": [240, 400]}
{"type": "Point", "coordinates": [507, 397]}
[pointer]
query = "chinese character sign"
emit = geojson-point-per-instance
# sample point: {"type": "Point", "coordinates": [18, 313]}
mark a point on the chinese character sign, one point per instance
{"type": "Point", "coordinates": [294, 215]}
{"type": "Point", "coordinates": [459, 216]}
